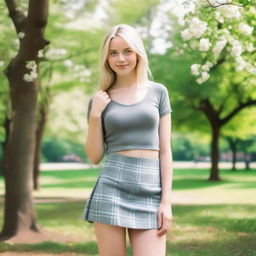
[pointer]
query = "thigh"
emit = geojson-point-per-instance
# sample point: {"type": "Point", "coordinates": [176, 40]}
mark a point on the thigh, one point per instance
{"type": "Point", "coordinates": [111, 239]}
{"type": "Point", "coordinates": [146, 242]}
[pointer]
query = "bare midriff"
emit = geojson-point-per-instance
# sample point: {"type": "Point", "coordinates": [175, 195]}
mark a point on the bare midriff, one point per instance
{"type": "Point", "coordinates": [146, 153]}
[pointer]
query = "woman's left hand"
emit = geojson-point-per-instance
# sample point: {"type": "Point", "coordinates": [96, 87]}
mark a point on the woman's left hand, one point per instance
{"type": "Point", "coordinates": [164, 217]}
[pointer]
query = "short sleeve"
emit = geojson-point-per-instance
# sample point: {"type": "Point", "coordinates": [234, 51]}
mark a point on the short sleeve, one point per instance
{"type": "Point", "coordinates": [164, 104]}
{"type": "Point", "coordinates": [89, 109]}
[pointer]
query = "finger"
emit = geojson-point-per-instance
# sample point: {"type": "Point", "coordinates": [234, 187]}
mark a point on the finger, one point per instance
{"type": "Point", "coordinates": [159, 219]}
{"type": "Point", "coordinates": [162, 230]}
{"type": "Point", "coordinates": [165, 226]}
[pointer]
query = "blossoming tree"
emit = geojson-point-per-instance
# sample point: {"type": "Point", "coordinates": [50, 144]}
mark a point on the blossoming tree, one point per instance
{"type": "Point", "coordinates": [223, 35]}
{"type": "Point", "coordinates": [221, 31]}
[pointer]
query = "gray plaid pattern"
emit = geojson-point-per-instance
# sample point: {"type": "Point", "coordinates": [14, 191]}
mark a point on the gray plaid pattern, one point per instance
{"type": "Point", "coordinates": [127, 193]}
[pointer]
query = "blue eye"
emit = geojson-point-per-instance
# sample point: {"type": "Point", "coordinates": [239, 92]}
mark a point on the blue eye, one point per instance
{"type": "Point", "coordinates": [113, 53]}
{"type": "Point", "coordinates": [128, 51]}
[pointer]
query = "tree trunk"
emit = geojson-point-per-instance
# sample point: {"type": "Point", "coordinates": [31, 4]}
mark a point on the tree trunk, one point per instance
{"type": "Point", "coordinates": [214, 175]}
{"type": "Point", "coordinates": [39, 135]}
{"type": "Point", "coordinates": [233, 146]}
{"type": "Point", "coordinates": [7, 124]}
{"type": "Point", "coordinates": [247, 159]}
{"type": "Point", "coordinates": [19, 212]}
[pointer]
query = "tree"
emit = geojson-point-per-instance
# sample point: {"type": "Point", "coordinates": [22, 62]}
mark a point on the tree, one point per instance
{"type": "Point", "coordinates": [22, 74]}
{"type": "Point", "coordinates": [222, 38]}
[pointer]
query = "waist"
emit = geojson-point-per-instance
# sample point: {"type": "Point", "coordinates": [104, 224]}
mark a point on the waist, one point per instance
{"type": "Point", "coordinates": [145, 153]}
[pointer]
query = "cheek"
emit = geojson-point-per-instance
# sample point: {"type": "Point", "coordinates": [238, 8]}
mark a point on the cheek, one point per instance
{"type": "Point", "coordinates": [133, 58]}
{"type": "Point", "coordinates": [110, 61]}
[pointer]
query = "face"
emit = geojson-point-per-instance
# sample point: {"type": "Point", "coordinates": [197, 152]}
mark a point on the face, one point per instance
{"type": "Point", "coordinates": [121, 58]}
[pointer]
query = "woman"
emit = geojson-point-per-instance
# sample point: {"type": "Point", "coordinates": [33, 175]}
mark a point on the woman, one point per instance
{"type": "Point", "coordinates": [129, 119]}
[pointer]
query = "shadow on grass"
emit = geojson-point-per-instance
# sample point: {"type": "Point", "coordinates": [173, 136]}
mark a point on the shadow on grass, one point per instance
{"type": "Point", "coordinates": [233, 218]}
{"type": "Point", "coordinates": [90, 248]}
{"type": "Point", "coordinates": [240, 246]}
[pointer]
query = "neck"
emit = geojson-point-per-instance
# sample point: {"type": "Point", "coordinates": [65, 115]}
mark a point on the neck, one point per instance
{"type": "Point", "coordinates": [126, 81]}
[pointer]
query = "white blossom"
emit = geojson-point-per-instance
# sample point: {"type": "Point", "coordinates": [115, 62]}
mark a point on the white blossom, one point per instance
{"type": "Point", "coordinates": [230, 11]}
{"type": "Point", "coordinates": [203, 78]}
{"type": "Point", "coordinates": [195, 30]}
{"type": "Point", "coordinates": [1, 63]}
{"type": "Point", "coordinates": [181, 21]}
{"type": "Point", "coordinates": [245, 28]}
{"type": "Point", "coordinates": [204, 44]}
{"type": "Point", "coordinates": [252, 70]}
{"type": "Point", "coordinates": [197, 27]}
{"type": "Point", "coordinates": [250, 47]}
{"type": "Point", "coordinates": [242, 64]}
{"type": "Point", "coordinates": [236, 49]}
{"type": "Point", "coordinates": [40, 53]}
{"type": "Point", "coordinates": [195, 69]}
{"type": "Point", "coordinates": [31, 64]}
{"type": "Point", "coordinates": [30, 77]}
{"type": "Point", "coordinates": [219, 47]}
{"type": "Point", "coordinates": [218, 17]}
{"type": "Point", "coordinates": [207, 66]}
{"type": "Point", "coordinates": [68, 63]}
{"type": "Point", "coordinates": [21, 35]}
{"type": "Point", "coordinates": [55, 53]}
{"type": "Point", "coordinates": [186, 34]}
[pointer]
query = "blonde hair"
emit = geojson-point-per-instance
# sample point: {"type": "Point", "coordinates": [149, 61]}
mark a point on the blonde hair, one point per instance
{"type": "Point", "coordinates": [106, 75]}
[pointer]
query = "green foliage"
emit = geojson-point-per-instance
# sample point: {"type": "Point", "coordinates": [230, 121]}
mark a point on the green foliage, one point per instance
{"type": "Point", "coordinates": [142, 11]}
{"type": "Point", "coordinates": [53, 149]}
{"type": "Point", "coordinates": [189, 148]}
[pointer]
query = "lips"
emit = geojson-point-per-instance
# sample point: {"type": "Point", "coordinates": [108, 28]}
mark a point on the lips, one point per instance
{"type": "Point", "coordinates": [122, 66]}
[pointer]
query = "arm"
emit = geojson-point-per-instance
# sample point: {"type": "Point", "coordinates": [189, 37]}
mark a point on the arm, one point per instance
{"type": "Point", "coordinates": [166, 163]}
{"type": "Point", "coordinates": [94, 146]}
{"type": "Point", "coordinates": [166, 157]}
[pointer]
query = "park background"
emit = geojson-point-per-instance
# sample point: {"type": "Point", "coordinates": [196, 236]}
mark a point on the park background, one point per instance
{"type": "Point", "coordinates": [202, 51]}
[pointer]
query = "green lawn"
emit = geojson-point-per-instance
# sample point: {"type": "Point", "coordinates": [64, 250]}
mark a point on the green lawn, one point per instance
{"type": "Point", "coordinates": [210, 218]}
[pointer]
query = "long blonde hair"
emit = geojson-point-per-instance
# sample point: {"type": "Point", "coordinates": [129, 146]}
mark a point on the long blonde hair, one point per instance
{"type": "Point", "coordinates": [106, 76]}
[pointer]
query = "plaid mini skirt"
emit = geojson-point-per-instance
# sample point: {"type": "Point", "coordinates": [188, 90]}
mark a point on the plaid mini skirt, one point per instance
{"type": "Point", "coordinates": [127, 193]}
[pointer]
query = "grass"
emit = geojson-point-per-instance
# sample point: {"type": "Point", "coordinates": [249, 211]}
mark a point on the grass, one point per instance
{"type": "Point", "coordinates": [210, 218]}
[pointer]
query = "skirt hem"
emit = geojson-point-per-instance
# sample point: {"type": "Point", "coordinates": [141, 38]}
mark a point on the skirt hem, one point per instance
{"type": "Point", "coordinates": [120, 225]}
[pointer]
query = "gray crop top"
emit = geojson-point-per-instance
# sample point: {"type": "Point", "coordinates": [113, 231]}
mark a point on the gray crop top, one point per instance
{"type": "Point", "coordinates": [134, 126]}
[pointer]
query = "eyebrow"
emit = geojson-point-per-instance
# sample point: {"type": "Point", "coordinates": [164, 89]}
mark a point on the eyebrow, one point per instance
{"type": "Point", "coordinates": [115, 50]}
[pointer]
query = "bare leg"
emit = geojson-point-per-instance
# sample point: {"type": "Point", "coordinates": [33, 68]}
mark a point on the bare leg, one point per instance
{"type": "Point", "coordinates": [111, 239]}
{"type": "Point", "coordinates": [146, 242]}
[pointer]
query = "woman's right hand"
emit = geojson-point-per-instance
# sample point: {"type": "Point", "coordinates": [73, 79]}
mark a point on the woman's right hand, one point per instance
{"type": "Point", "coordinates": [99, 102]}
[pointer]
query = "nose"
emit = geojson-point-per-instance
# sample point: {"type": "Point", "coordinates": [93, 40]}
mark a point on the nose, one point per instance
{"type": "Point", "coordinates": [121, 57]}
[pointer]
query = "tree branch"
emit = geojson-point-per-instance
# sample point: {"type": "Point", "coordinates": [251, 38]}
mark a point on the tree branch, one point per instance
{"type": "Point", "coordinates": [250, 102]}
{"type": "Point", "coordinates": [220, 4]}
{"type": "Point", "coordinates": [18, 17]}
